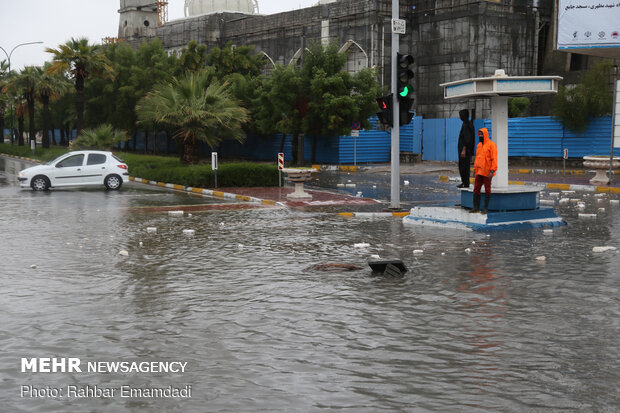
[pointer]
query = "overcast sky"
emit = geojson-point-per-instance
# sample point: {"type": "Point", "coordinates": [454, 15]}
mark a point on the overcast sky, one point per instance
{"type": "Point", "coordinates": [56, 21]}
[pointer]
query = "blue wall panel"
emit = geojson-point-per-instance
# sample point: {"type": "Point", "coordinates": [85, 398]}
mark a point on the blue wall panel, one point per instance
{"type": "Point", "coordinates": [433, 140]}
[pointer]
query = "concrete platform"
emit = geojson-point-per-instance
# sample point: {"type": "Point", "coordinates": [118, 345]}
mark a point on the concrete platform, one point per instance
{"type": "Point", "coordinates": [460, 218]}
{"type": "Point", "coordinates": [510, 198]}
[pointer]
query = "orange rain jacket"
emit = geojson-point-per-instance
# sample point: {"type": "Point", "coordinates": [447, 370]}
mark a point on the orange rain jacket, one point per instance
{"type": "Point", "coordinates": [486, 155]}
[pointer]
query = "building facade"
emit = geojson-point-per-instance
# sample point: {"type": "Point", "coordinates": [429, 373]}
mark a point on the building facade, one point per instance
{"type": "Point", "coordinates": [449, 39]}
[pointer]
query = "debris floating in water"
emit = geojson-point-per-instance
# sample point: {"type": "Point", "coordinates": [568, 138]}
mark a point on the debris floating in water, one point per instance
{"type": "Point", "coordinates": [547, 202]}
{"type": "Point", "coordinates": [350, 185]}
{"type": "Point", "coordinates": [339, 185]}
{"type": "Point", "coordinates": [541, 258]}
{"type": "Point", "coordinates": [547, 231]}
{"type": "Point", "coordinates": [141, 243]}
{"type": "Point", "coordinates": [361, 245]}
{"type": "Point", "coordinates": [587, 215]}
{"type": "Point", "coordinates": [601, 210]}
{"type": "Point", "coordinates": [359, 194]}
{"type": "Point", "coordinates": [604, 249]}
{"type": "Point", "coordinates": [418, 252]}
{"type": "Point", "coordinates": [563, 201]}
{"type": "Point", "coordinates": [123, 253]}
{"type": "Point", "coordinates": [175, 213]}
{"type": "Point", "coordinates": [151, 230]}
{"type": "Point", "coordinates": [468, 250]}
{"type": "Point", "coordinates": [188, 232]}
{"type": "Point", "coordinates": [375, 257]}
{"type": "Point", "coordinates": [405, 182]}
{"type": "Point", "coordinates": [33, 266]}
{"type": "Point", "coordinates": [581, 205]}
{"type": "Point", "coordinates": [614, 202]}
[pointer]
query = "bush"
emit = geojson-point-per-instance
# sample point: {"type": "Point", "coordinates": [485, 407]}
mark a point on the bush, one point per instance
{"type": "Point", "coordinates": [103, 137]}
{"type": "Point", "coordinates": [171, 170]}
{"type": "Point", "coordinates": [26, 152]}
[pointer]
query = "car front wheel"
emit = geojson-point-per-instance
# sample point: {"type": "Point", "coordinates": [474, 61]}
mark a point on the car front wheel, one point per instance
{"type": "Point", "coordinates": [40, 183]}
{"type": "Point", "coordinates": [113, 182]}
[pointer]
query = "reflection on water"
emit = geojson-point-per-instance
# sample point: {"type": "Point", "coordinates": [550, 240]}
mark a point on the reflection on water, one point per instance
{"type": "Point", "coordinates": [477, 324]}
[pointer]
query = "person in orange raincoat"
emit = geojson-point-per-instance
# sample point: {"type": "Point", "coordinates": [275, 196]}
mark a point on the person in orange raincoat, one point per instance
{"type": "Point", "coordinates": [485, 166]}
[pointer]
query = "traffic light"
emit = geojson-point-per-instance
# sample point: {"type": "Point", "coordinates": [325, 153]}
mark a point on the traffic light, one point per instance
{"type": "Point", "coordinates": [404, 88]}
{"type": "Point", "coordinates": [385, 113]}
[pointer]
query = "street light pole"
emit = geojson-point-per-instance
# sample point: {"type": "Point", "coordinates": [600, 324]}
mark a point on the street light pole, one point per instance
{"type": "Point", "coordinates": [8, 57]}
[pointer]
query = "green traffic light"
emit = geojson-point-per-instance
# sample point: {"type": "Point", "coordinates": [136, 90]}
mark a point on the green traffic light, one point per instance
{"type": "Point", "coordinates": [405, 92]}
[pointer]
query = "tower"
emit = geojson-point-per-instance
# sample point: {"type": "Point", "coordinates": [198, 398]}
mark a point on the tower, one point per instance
{"type": "Point", "coordinates": [138, 18]}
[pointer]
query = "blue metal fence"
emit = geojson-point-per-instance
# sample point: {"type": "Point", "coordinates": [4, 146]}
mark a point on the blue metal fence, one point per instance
{"type": "Point", "coordinates": [435, 139]}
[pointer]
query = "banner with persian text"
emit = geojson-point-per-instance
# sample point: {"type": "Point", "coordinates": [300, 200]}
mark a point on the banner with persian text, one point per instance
{"type": "Point", "coordinates": [587, 24]}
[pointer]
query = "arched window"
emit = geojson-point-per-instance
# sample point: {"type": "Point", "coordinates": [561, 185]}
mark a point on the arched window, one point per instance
{"type": "Point", "coordinates": [357, 59]}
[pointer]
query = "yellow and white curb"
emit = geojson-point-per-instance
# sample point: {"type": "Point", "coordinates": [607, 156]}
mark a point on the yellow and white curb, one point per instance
{"type": "Point", "coordinates": [552, 186]}
{"type": "Point", "coordinates": [207, 192]}
{"type": "Point", "coordinates": [374, 214]}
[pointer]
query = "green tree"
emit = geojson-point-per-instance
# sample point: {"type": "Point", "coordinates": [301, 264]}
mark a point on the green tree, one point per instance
{"type": "Point", "coordinates": [80, 60]}
{"type": "Point", "coordinates": [193, 57]}
{"type": "Point", "coordinates": [103, 137]}
{"type": "Point", "coordinates": [25, 84]}
{"type": "Point", "coordinates": [574, 105]}
{"type": "Point", "coordinates": [4, 95]}
{"type": "Point", "coordinates": [518, 106]}
{"type": "Point", "coordinates": [49, 87]}
{"type": "Point", "coordinates": [197, 109]}
{"type": "Point", "coordinates": [318, 99]}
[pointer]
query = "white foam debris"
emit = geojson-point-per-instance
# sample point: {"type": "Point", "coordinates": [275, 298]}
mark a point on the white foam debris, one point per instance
{"type": "Point", "coordinates": [614, 202]}
{"type": "Point", "coordinates": [554, 194]}
{"type": "Point", "coordinates": [151, 230]}
{"type": "Point", "coordinates": [350, 185]}
{"type": "Point", "coordinates": [358, 194]}
{"type": "Point", "coordinates": [568, 192]}
{"type": "Point", "coordinates": [601, 210]}
{"type": "Point", "coordinates": [587, 215]}
{"type": "Point", "coordinates": [580, 205]}
{"type": "Point", "coordinates": [443, 253]}
{"type": "Point", "coordinates": [541, 258]}
{"type": "Point", "coordinates": [547, 202]}
{"type": "Point", "coordinates": [175, 213]}
{"type": "Point", "coordinates": [189, 232]}
{"type": "Point", "coordinates": [374, 187]}
{"type": "Point", "coordinates": [418, 252]}
{"type": "Point", "coordinates": [375, 257]}
{"type": "Point", "coordinates": [468, 250]}
{"type": "Point", "coordinates": [361, 245]}
{"type": "Point", "coordinates": [600, 195]}
{"type": "Point", "coordinates": [405, 182]}
{"type": "Point", "coordinates": [123, 253]}
{"type": "Point", "coordinates": [141, 243]}
{"type": "Point", "coordinates": [598, 200]}
{"type": "Point", "coordinates": [189, 215]}
{"type": "Point", "coordinates": [604, 249]}
{"type": "Point", "coordinates": [339, 185]}
{"type": "Point", "coordinates": [348, 180]}
{"type": "Point", "coordinates": [33, 266]}
{"type": "Point", "coordinates": [575, 200]}
{"type": "Point", "coordinates": [563, 201]}
{"type": "Point", "coordinates": [547, 231]}
{"type": "Point", "coordinates": [240, 246]}
{"type": "Point", "coordinates": [473, 242]}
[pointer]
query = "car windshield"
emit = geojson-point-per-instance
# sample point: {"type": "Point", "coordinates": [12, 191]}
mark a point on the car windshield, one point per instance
{"type": "Point", "coordinates": [56, 159]}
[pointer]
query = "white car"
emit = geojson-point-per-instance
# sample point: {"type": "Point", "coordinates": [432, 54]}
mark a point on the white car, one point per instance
{"type": "Point", "coordinates": [77, 168]}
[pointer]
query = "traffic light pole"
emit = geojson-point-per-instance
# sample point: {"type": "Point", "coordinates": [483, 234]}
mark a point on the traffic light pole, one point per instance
{"type": "Point", "coordinates": [395, 153]}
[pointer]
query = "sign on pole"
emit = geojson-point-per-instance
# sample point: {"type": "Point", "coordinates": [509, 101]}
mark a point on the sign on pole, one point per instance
{"type": "Point", "coordinates": [280, 160]}
{"type": "Point", "coordinates": [565, 153]}
{"type": "Point", "coordinates": [399, 26]}
{"type": "Point", "coordinates": [214, 166]}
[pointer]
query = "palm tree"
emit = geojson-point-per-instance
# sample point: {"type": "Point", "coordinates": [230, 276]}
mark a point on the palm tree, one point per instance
{"type": "Point", "coordinates": [49, 87]}
{"type": "Point", "coordinates": [103, 137]}
{"type": "Point", "coordinates": [25, 84]}
{"type": "Point", "coordinates": [81, 60]}
{"type": "Point", "coordinates": [4, 96]}
{"type": "Point", "coordinates": [197, 110]}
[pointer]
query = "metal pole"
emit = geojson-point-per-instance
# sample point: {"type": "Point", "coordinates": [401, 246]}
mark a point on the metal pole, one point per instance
{"type": "Point", "coordinates": [8, 57]}
{"type": "Point", "coordinates": [613, 128]}
{"type": "Point", "coordinates": [395, 153]}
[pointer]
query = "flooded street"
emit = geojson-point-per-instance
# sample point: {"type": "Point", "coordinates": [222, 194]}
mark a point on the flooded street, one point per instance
{"type": "Point", "coordinates": [478, 324]}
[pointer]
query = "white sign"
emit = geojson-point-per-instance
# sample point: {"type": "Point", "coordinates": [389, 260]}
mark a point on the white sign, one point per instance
{"type": "Point", "coordinates": [399, 26]}
{"type": "Point", "coordinates": [214, 161]}
{"type": "Point", "coordinates": [586, 24]}
{"type": "Point", "coordinates": [355, 133]}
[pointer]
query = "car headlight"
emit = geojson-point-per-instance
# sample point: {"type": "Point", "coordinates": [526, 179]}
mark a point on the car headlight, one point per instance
{"type": "Point", "coordinates": [19, 175]}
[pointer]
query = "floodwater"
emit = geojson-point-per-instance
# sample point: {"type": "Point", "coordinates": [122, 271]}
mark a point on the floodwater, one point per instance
{"type": "Point", "coordinates": [477, 324]}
